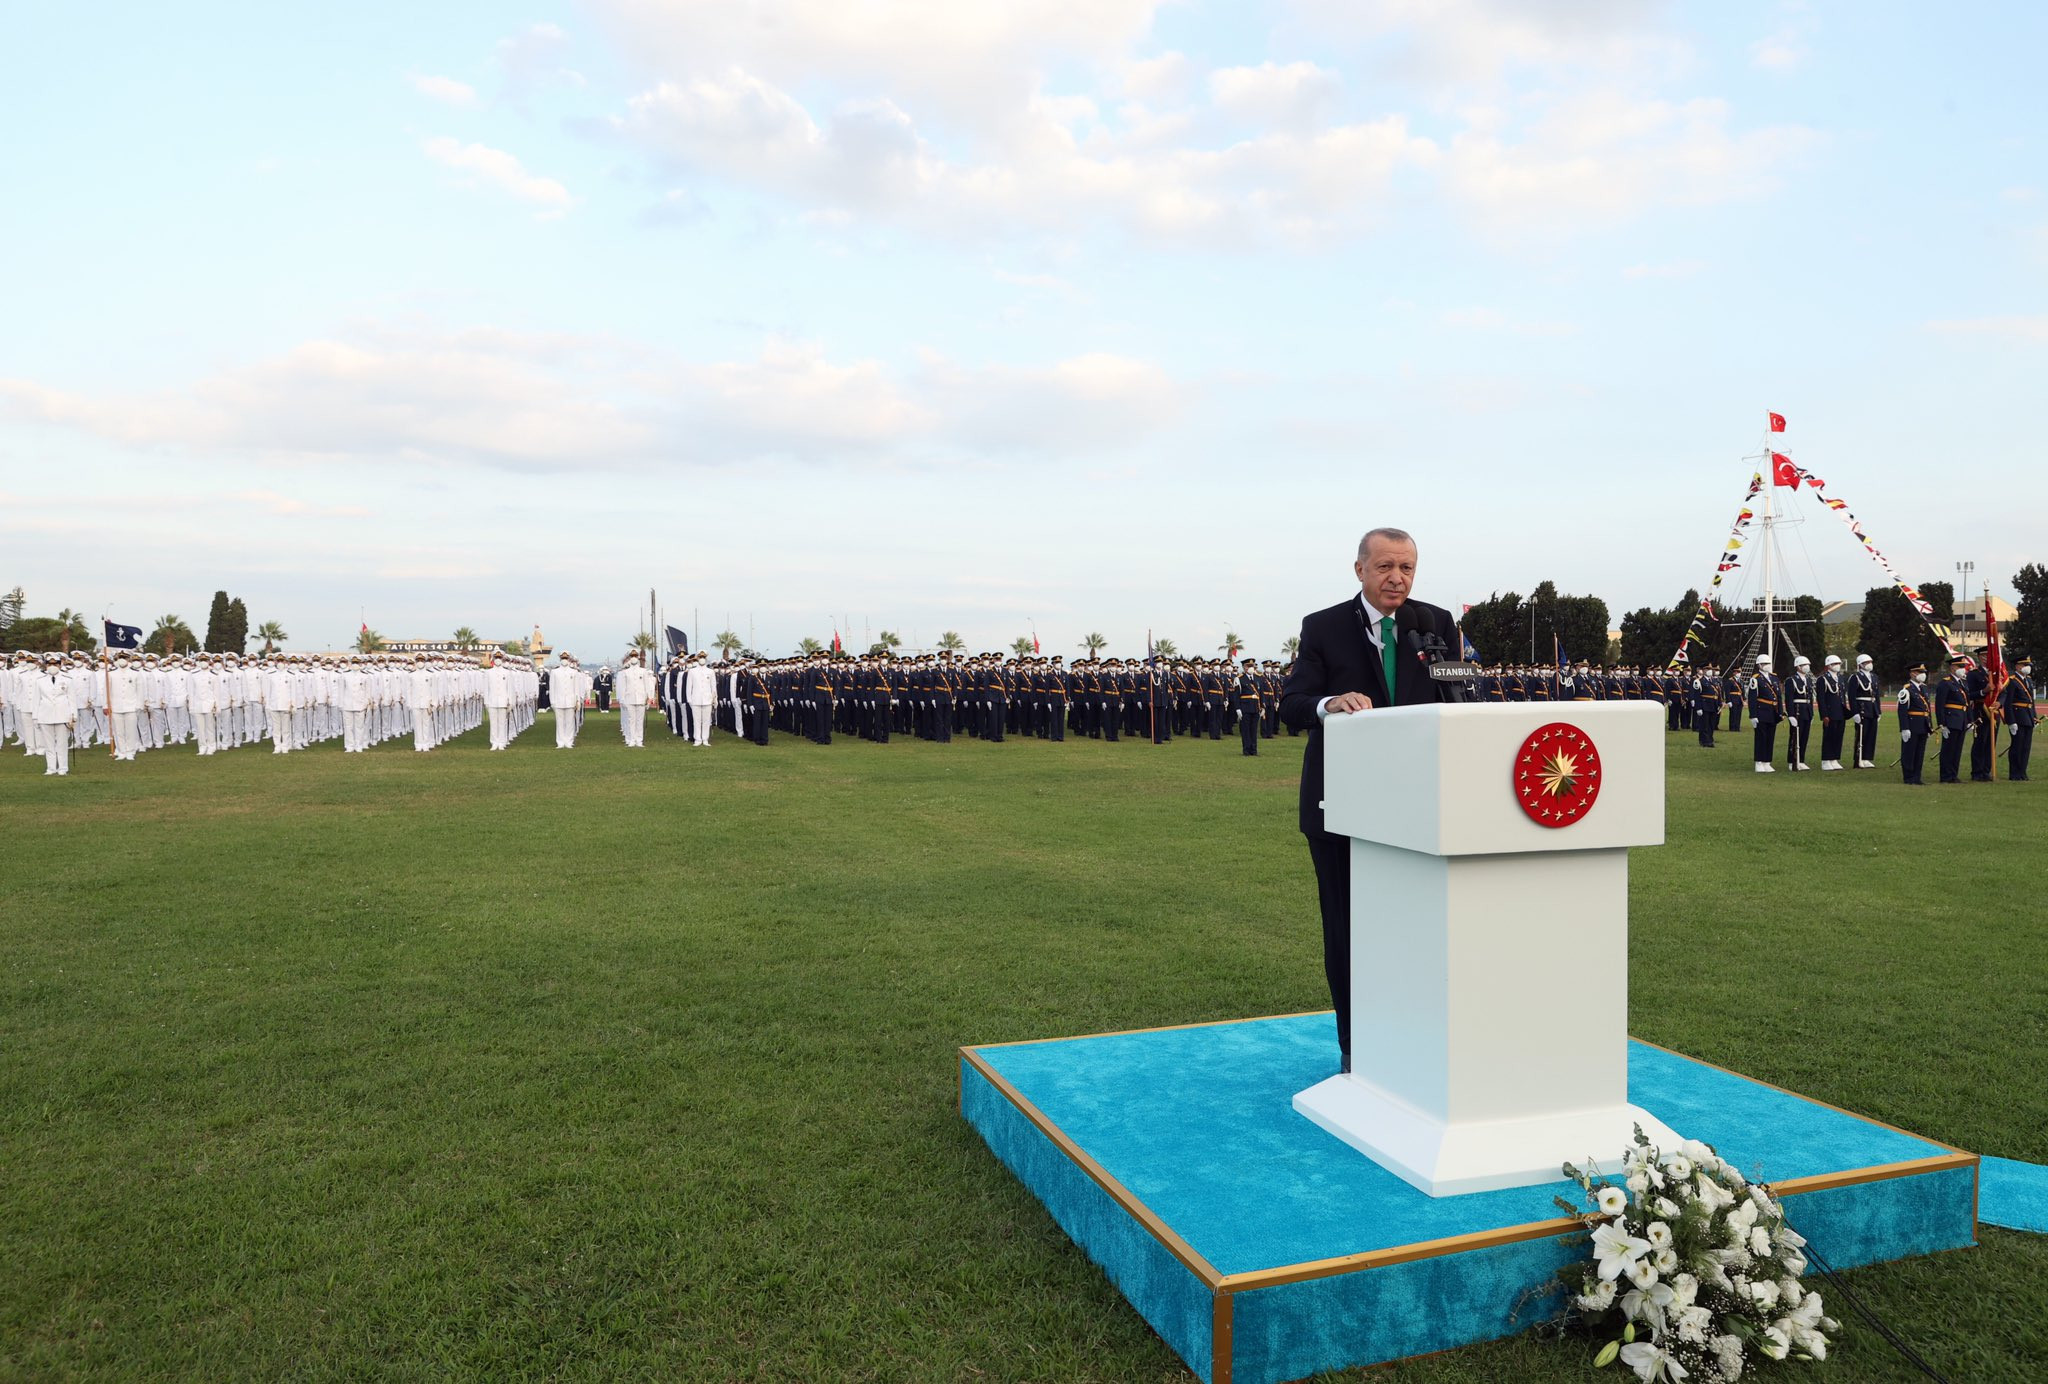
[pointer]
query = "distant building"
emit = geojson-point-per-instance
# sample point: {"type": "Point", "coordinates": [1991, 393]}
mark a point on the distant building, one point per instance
{"type": "Point", "coordinates": [1841, 612]}
{"type": "Point", "coordinates": [1969, 623]}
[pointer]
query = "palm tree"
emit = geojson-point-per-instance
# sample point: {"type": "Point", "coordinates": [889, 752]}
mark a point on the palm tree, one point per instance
{"type": "Point", "coordinates": [726, 642]}
{"type": "Point", "coordinates": [1230, 645]}
{"type": "Point", "coordinates": [465, 638]}
{"type": "Point", "coordinates": [1291, 646]}
{"type": "Point", "coordinates": [67, 619]}
{"type": "Point", "coordinates": [951, 642]}
{"type": "Point", "coordinates": [173, 633]}
{"type": "Point", "coordinates": [1166, 648]}
{"type": "Point", "coordinates": [644, 643]}
{"type": "Point", "coordinates": [368, 641]}
{"type": "Point", "coordinates": [1022, 646]}
{"type": "Point", "coordinates": [808, 646]}
{"type": "Point", "coordinates": [271, 632]}
{"type": "Point", "coordinates": [1093, 643]}
{"type": "Point", "coordinates": [887, 639]}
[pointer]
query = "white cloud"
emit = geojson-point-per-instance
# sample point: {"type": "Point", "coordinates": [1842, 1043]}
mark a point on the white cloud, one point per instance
{"type": "Point", "coordinates": [446, 90]}
{"type": "Point", "coordinates": [1439, 42]}
{"type": "Point", "coordinates": [1493, 320]}
{"type": "Point", "coordinates": [381, 394]}
{"type": "Point", "coordinates": [502, 170]}
{"type": "Point", "coordinates": [1297, 95]}
{"type": "Point", "coordinates": [2023, 328]}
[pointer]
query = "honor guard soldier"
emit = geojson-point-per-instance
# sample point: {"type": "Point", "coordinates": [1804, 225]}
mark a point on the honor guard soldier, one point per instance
{"type": "Point", "coordinates": [1832, 697]}
{"type": "Point", "coordinates": [1916, 718]}
{"type": "Point", "coordinates": [601, 687]}
{"type": "Point", "coordinates": [1798, 711]}
{"type": "Point", "coordinates": [1735, 691]}
{"type": "Point", "coordinates": [1766, 709]}
{"type": "Point", "coordinates": [1952, 718]}
{"type": "Point", "coordinates": [2016, 705]}
{"type": "Point", "coordinates": [1977, 682]}
{"type": "Point", "coordinates": [1864, 706]}
{"type": "Point", "coordinates": [1706, 706]}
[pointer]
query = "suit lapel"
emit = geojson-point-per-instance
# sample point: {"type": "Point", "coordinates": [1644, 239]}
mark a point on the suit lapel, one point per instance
{"type": "Point", "coordinates": [1374, 668]}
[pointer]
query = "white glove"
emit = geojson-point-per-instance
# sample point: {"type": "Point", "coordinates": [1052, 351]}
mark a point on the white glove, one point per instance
{"type": "Point", "coordinates": [1944, 732]}
{"type": "Point", "coordinates": [1856, 720]}
{"type": "Point", "coordinates": [1905, 737]}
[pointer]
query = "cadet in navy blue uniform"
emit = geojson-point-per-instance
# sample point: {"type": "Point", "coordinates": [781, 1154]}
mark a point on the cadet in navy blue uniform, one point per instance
{"type": "Point", "coordinates": [2016, 705]}
{"type": "Point", "coordinates": [1250, 696]}
{"type": "Point", "coordinates": [1798, 712]}
{"type": "Point", "coordinates": [1706, 706]}
{"type": "Point", "coordinates": [1977, 682]}
{"type": "Point", "coordinates": [1833, 699]}
{"type": "Point", "coordinates": [1952, 716]}
{"type": "Point", "coordinates": [1766, 709]}
{"type": "Point", "coordinates": [1864, 707]}
{"type": "Point", "coordinates": [1915, 721]}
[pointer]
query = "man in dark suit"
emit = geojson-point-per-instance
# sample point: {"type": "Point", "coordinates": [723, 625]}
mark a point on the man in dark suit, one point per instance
{"type": "Point", "coordinates": [1353, 657]}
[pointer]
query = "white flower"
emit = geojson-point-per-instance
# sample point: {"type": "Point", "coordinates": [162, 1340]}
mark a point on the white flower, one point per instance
{"type": "Point", "coordinates": [1696, 1151]}
{"type": "Point", "coordinates": [1728, 1355]}
{"type": "Point", "coordinates": [1712, 1194]}
{"type": "Point", "coordinates": [1733, 1175]}
{"type": "Point", "coordinates": [1665, 1259]}
{"type": "Point", "coordinates": [1765, 1293]}
{"type": "Point", "coordinates": [1638, 1183]}
{"type": "Point", "coordinates": [1651, 1362]}
{"type": "Point", "coordinates": [1787, 1237]}
{"type": "Point", "coordinates": [1802, 1327]}
{"type": "Point", "coordinates": [1762, 1201]}
{"type": "Point", "coordinates": [1612, 1201]}
{"type": "Point", "coordinates": [1684, 1288]}
{"type": "Point", "coordinates": [1679, 1166]}
{"type": "Point", "coordinates": [1790, 1291]}
{"type": "Point", "coordinates": [1658, 1234]}
{"type": "Point", "coordinates": [1647, 1303]}
{"type": "Point", "coordinates": [1690, 1324]}
{"type": "Point", "coordinates": [1759, 1241]}
{"type": "Point", "coordinates": [1641, 1272]}
{"type": "Point", "coordinates": [1597, 1298]}
{"type": "Point", "coordinates": [1739, 1222]}
{"type": "Point", "coordinates": [1776, 1343]}
{"type": "Point", "coordinates": [1615, 1251]}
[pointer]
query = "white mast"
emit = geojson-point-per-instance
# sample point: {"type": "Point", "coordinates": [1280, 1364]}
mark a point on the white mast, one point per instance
{"type": "Point", "coordinates": [1770, 484]}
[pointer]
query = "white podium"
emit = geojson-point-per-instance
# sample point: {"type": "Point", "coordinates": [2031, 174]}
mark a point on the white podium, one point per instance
{"type": "Point", "coordinates": [1489, 950]}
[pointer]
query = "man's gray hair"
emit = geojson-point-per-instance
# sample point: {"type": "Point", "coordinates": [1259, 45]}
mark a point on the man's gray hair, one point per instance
{"type": "Point", "coordinates": [1390, 535]}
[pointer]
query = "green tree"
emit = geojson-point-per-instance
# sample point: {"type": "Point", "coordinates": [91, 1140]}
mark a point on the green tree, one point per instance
{"type": "Point", "coordinates": [1230, 645]}
{"type": "Point", "coordinates": [39, 634]}
{"type": "Point", "coordinates": [726, 642]}
{"type": "Point", "coordinates": [271, 632]}
{"type": "Point", "coordinates": [1894, 634]}
{"type": "Point", "coordinates": [172, 635]}
{"type": "Point", "coordinates": [1166, 648]}
{"type": "Point", "coordinates": [951, 642]}
{"type": "Point", "coordinates": [1649, 636]}
{"type": "Point", "coordinates": [1093, 643]}
{"type": "Point", "coordinates": [1493, 625]}
{"type": "Point", "coordinates": [1845, 637]}
{"type": "Point", "coordinates": [465, 638]}
{"type": "Point", "coordinates": [808, 646]}
{"type": "Point", "coordinates": [1290, 646]}
{"type": "Point", "coordinates": [885, 641]}
{"type": "Point", "coordinates": [2029, 634]}
{"type": "Point", "coordinates": [513, 646]}
{"type": "Point", "coordinates": [217, 623]}
{"type": "Point", "coordinates": [70, 625]}
{"type": "Point", "coordinates": [10, 608]}
{"type": "Point", "coordinates": [235, 637]}
{"type": "Point", "coordinates": [643, 642]}
{"type": "Point", "coordinates": [1021, 646]}
{"type": "Point", "coordinates": [1811, 637]}
{"type": "Point", "coordinates": [368, 641]}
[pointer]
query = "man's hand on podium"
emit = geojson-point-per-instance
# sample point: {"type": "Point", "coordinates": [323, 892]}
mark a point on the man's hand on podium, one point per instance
{"type": "Point", "coordinates": [1347, 701]}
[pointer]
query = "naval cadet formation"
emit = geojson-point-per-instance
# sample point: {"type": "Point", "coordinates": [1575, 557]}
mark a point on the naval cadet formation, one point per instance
{"type": "Point", "coordinates": [130, 701]}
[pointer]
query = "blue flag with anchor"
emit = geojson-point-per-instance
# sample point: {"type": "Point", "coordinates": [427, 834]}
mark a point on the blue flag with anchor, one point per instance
{"type": "Point", "coordinates": [123, 636]}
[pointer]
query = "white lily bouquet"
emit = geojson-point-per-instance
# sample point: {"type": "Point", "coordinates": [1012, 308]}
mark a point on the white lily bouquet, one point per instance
{"type": "Point", "coordinates": [1693, 1270]}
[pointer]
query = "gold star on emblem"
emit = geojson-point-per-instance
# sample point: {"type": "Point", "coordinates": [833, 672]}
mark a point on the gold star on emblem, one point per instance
{"type": "Point", "coordinates": [1560, 775]}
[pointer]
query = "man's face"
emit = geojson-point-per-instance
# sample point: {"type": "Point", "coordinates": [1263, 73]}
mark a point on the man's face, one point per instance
{"type": "Point", "coordinates": [1387, 574]}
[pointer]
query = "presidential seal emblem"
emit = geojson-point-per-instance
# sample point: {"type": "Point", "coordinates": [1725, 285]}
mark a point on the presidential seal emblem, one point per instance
{"type": "Point", "coordinates": [1557, 774]}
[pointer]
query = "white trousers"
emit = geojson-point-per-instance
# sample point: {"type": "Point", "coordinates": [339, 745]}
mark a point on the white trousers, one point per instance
{"type": "Point", "coordinates": [499, 740]}
{"type": "Point", "coordinates": [565, 726]}
{"type": "Point", "coordinates": [127, 734]}
{"type": "Point", "coordinates": [423, 728]}
{"type": "Point", "coordinates": [203, 730]}
{"type": "Point", "coordinates": [280, 732]}
{"type": "Point", "coordinates": [633, 724]}
{"type": "Point", "coordinates": [700, 723]}
{"type": "Point", "coordinates": [56, 748]}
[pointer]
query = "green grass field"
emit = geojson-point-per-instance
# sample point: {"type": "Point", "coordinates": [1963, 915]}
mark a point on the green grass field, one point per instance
{"type": "Point", "coordinates": [619, 1065]}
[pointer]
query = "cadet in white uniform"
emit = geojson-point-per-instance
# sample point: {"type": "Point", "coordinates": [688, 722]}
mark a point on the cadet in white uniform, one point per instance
{"type": "Point", "coordinates": [567, 684]}
{"type": "Point", "coordinates": [700, 690]}
{"type": "Point", "coordinates": [55, 715]}
{"type": "Point", "coordinates": [634, 689]}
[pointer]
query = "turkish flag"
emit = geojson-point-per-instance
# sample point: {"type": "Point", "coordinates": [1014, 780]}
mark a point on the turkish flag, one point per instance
{"type": "Point", "coordinates": [1777, 422]}
{"type": "Point", "coordinates": [1783, 472]}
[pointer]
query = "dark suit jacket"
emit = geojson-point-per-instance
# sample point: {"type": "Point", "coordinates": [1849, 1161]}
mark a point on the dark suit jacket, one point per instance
{"type": "Point", "coordinates": [1336, 656]}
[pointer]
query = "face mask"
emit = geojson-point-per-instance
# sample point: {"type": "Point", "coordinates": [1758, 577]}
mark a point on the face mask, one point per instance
{"type": "Point", "coordinates": [1919, 677]}
{"type": "Point", "coordinates": [2026, 670]}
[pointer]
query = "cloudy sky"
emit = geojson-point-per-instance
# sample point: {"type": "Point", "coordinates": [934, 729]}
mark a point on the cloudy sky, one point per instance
{"type": "Point", "coordinates": [1093, 314]}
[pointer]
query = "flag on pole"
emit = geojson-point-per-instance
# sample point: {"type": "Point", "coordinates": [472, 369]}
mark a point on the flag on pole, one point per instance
{"type": "Point", "coordinates": [1777, 422]}
{"type": "Point", "coordinates": [1034, 641]}
{"type": "Point", "coordinates": [678, 642]}
{"type": "Point", "coordinates": [837, 646]}
{"type": "Point", "coordinates": [1994, 658]}
{"type": "Point", "coordinates": [123, 636]}
{"type": "Point", "coordinates": [1556, 651]}
{"type": "Point", "coordinates": [1783, 472]}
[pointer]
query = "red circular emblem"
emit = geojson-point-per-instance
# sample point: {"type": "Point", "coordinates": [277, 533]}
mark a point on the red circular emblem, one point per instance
{"type": "Point", "coordinates": [1557, 774]}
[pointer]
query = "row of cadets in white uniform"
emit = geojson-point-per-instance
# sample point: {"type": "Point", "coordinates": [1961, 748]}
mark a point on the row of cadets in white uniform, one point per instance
{"type": "Point", "coordinates": [568, 685]}
{"type": "Point", "coordinates": [511, 697]}
{"type": "Point", "coordinates": [43, 699]}
{"type": "Point", "coordinates": [21, 695]}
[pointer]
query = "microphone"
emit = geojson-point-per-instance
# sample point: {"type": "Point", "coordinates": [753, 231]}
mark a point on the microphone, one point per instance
{"type": "Point", "coordinates": [1453, 677]}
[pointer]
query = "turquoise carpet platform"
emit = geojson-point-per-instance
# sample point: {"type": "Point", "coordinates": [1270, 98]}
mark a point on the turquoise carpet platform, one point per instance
{"type": "Point", "coordinates": [1262, 1249]}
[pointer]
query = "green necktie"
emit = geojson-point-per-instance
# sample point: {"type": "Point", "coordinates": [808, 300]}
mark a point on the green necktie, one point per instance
{"type": "Point", "coordinates": [1387, 654]}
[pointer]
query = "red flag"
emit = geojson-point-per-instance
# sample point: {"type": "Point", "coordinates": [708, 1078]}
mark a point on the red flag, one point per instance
{"type": "Point", "coordinates": [1777, 422]}
{"type": "Point", "coordinates": [366, 627]}
{"type": "Point", "coordinates": [837, 647]}
{"type": "Point", "coordinates": [1783, 472]}
{"type": "Point", "coordinates": [1994, 660]}
{"type": "Point", "coordinates": [1034, 641]}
